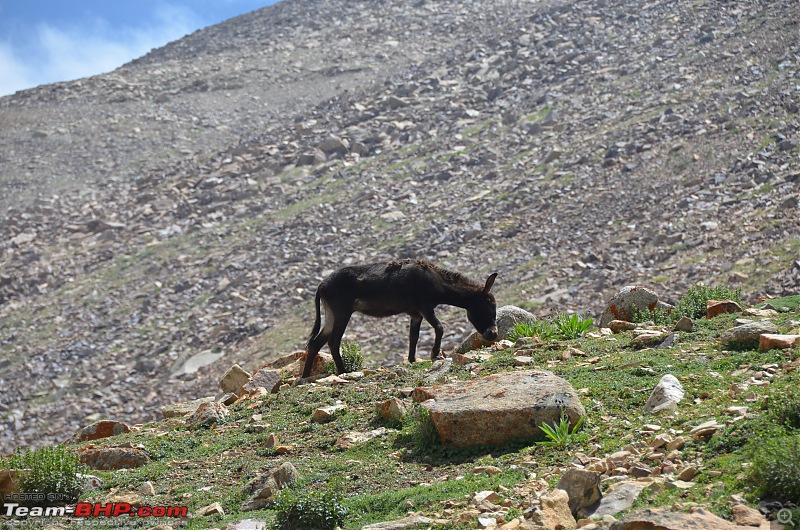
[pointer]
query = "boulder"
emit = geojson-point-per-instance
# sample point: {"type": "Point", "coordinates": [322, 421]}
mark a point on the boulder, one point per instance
{"type": "Point", "coordinates": [663, 519]}
{"type": "Point", "coordinates": [583, 489]}
{"type": "Point", "coordinates": [264, 487]}
{"type": "Point", "coordinates": [100, 429]}
{"type": "Point", "coordinates": [207, 414]}
{"type": "Point", "coordinates": [772, 341]}
{"type": "Point", "coordinates": [619, 497]}
{"type": "Point", "coordinates": [183, 408]}
{"type": "Point", "coordinates": [666, 395]}
{"type": "Point", "coordinates": [746, 516]}
{"type": "Point", "coordinates": [413, 521]}
{"type": "Point", "coordinates": [333, 145]}
{"type": "Point", "coordinates": [392, 410]}
{"type": "Point", "coordinates": [747, 336]}
{"type": "Point", "coordinates": [234, 379]}
{"type": "Point", "coordinates": [684, 324]}
{"type": "Point", "coordinates": [508, 316]}
{"type": "Point", "coordinates": [264, 378]}
{"type": "Point", "coordinates": [554, 511]}
{"type": "Point", "coordinates": [628, 302]}
{"type": "Point", "coordinates": [111, 458]}
{"type": "Point", "coordinates": [502, 408]}
{"type": "Point", "coordinates": [211, 509]}
{"type": "Point", "coordinates": [721, 307]}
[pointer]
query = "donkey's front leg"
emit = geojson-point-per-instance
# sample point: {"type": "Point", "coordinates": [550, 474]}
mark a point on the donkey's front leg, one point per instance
{"type": "Point", "coordinates": [413, 337]}
{"type": "Point", "coordinates": [436, 352]}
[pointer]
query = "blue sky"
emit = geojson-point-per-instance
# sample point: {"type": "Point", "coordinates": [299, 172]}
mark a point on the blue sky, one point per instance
{"type": "Point", "coordinates": [45, 41]}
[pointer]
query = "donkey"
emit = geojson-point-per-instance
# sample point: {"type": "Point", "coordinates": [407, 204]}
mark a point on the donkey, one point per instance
{"type": "Point", "coordinates": [413, 287]}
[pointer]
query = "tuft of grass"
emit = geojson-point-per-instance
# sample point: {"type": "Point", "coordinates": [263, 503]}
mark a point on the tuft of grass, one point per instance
{"type": "Point", "coordinates": [298, 509]}
{"type": "Point", "coordinates": [418, 426]}
{"type": "Point", "coordinates": [52, 472]}
{"type": "Point", "coordinates": [785, 408]}
{"type": "Point", "coordinates": [573, 326]}
{"type": "Point", "coordinates": [352, 358]}
{"type": "Point", "coordinates": [560, 435]}
{"type": "Point", "coordinates": [543, 329]}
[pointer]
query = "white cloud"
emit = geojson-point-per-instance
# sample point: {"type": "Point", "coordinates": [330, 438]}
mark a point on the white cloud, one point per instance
{"type": "Point", "coordinates": [57, 53]}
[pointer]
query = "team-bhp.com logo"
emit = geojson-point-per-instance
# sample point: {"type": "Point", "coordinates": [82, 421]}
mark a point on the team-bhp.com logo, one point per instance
{"type": "Point", "coordinates": [88, 509]}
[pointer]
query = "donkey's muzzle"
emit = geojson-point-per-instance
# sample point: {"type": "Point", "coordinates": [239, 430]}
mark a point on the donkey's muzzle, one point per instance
{"type": "Point", "coordinates": [490, 334]}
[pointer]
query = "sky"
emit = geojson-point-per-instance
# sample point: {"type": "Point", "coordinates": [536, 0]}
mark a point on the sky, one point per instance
{"type": "Point", "coordinates": [46, 41]}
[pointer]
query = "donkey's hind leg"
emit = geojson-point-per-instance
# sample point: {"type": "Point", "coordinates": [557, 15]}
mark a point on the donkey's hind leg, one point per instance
{"type": "Point", "coordinates": [335, 340]}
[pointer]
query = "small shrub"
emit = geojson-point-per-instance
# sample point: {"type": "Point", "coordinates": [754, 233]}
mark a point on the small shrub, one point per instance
{"type": "Point", "coordinates": [352, 358]}
{"type": "Point", "coordinates": [49, 471]}
{"type": "Point", "coordinates": [297, 509]}
{"type": "Point", "coordinates": [659, 316]}
{"type": "Point", "coordinates": [693, 304]}
{"type": "Point", "coordinates": [560, 435]}
{"type": "Point", "coordinates": [543, 329]}
{"type": "Point", "coordinates": [418, 426]}
{"type": "Point", "coordinates": [573, 326]}
{"type": "Point", "coordinates": [785, 408]}
{"type": "Point", "coordinates": [776, 468]}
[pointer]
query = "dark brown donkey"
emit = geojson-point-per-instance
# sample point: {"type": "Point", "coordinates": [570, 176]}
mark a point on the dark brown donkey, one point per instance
{"type": "Point", "coordinates": [413, 287]}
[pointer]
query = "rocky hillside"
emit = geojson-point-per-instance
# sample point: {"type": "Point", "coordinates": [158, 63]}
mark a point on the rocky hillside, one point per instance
{"type": "Point", "coordinates": [174, 217]}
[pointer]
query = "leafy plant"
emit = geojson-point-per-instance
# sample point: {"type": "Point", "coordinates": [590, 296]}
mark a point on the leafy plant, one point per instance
{"type": "Point", "coordinates": [776, 468]}
{"type": "Point", "coordinates": [49, 471]}
{"type": "Point", "coordinates": [785, 408]}
{"type": "Point", "coordinates": [297, 509]}
{"type": "Point", "coordinates": [352, 358]}
{"type": "Point", "coordinates": [543, 329]}
{"type": "Point", "coordinates": [560, 435]}
{"type": "Point", "coordinates": [419, 427]}
{"type": "Point", "coordinates": [573, 326]}
{"type": "Point", "coordinates": [693, 304]}
{"type": "Point", "coordinates": [659, 316]}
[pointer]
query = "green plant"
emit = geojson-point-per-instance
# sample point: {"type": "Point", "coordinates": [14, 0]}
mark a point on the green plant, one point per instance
{"type": "Point", "coordinates": [573, 326]}
{"type": "Point", "coordinates": [785, 408]}
{"type": "Point", "coordinates": [658, 316]}
{"type": "Point", "coordinates": [48, 471]}
{"type": "Point", "coordinates": [560, 435]}
{"type": "Point", "coordinates": [776, 468]}
{"type": "Point", "coordinates": [352, 358]}
{"type": "Point", "coordinates": [297, 509]}
{"type": "Point", "coordinates": [693, 304]}
{"type": "Point", "coordinates": [419, 427]}
{"type": "Point", "coordinates": [543, 329]}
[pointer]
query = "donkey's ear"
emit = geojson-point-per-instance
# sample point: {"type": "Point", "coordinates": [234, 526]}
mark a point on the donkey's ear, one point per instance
{"type": "Point", "coordinates": [489, 283]}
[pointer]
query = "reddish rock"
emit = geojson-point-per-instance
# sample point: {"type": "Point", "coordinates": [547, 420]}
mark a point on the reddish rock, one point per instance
{"type": "Point", "coordinates": [100, 429]}
{"type": "Point", "coordinates": [717, 307]}
{"type": "Point", "coordinates": [111, 458]}
{"type": "Point", "coordinates": [393, 410]}
{"type": "Point", "coordinates": [746, 516]}
{"type": "Point", "coordinates": [662, 519]}
{"type": "Point", "coordinates": [770, 341]}
{"type": "Point", "coordinates": [207, 414]}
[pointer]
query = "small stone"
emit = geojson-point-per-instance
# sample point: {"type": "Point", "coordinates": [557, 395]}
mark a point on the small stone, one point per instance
{"type": "Point", "coordinates": [688, 473]}
{"type": "Point", "coordinates": [393, 410]}
{"type": "Point", "coordinates": [326, 414]}
{"type": "Point", "coordinates": [746, 516]}
{"type": "Point", "coordinates": [685, 324]}
{"type": "Point", "coordinates": [715, 308]}
{"type": "Point", "coordinates": [207, 414]}
{"type": "Point", "coordinates": [100, 429]}
{"type": "Point", "coordinates": [211, 509]}
{"type": "Point", "coordinates": [665, 396]}
{"type": "Point", "coordinates": [234, 379]}
{"type": "Point", "coordinates": [489, 470]}
{"type": "Point", "coordinates": [583, 490]}
{"type": "Point", "coordinates": [554, 511]}
{"type": "Point", "coordinates": [146, 488]}
{"type": "Point", "coordinates": [618, 326]}
{"type": "Point", "coordinates": [705, 430]}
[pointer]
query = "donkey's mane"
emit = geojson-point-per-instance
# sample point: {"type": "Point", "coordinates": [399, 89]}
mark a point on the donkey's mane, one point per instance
{"type": "Point", "coordinates": [451, 277]}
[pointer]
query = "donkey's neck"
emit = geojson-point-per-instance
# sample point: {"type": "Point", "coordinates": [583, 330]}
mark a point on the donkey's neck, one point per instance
{"type": "Point", "coordinates": [458, 295]}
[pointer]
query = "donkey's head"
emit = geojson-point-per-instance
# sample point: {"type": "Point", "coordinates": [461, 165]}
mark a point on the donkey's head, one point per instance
{"type": "Point", "coordinates": [482, 311]}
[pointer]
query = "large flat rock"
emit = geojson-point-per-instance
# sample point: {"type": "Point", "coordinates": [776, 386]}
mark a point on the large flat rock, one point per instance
{"type": "Point", "coordinates": [502, 408]}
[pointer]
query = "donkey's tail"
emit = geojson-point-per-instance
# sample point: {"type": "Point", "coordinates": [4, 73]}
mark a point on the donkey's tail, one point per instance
{"type": "Point", "coordinates": [317, 320]}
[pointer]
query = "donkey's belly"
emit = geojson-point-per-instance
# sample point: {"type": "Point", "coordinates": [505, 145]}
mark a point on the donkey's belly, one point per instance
{"type": "Point", "coordinates": [378, 308]}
